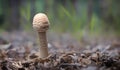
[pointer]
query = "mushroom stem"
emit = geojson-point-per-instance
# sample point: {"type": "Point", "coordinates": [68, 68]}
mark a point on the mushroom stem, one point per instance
{"type": "Point", "coordinates": [43, 44]}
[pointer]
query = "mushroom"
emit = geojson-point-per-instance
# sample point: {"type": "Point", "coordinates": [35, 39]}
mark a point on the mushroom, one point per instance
{"type": "Point", "coordinates": [41, 25]}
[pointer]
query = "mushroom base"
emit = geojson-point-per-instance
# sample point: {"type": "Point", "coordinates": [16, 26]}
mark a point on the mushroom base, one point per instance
{"type": "Point", "coordinates": [43, 52]}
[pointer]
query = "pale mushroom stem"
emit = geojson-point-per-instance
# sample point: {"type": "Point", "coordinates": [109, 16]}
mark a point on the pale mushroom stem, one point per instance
{"type": "Point", "coordinates": [43, 44]}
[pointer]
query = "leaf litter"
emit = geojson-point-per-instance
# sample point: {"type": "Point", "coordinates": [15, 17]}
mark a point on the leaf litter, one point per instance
{"type": "Point", "coordinates": [26, 57]}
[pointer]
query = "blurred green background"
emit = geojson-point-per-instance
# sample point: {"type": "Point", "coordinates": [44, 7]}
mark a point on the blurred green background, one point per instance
{"type": "Point", "coordinates": [76, 17]}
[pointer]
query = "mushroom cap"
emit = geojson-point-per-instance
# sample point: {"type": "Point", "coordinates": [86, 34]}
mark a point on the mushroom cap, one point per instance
{"type": "Point", "coordinates": [41, 22]}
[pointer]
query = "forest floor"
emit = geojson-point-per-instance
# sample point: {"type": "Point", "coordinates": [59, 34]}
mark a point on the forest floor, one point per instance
{"type": "Point", "coordinates": [20, 51]}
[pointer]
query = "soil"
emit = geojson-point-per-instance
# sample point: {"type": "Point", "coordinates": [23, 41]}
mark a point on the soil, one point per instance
{"type": "Point", "coordinates": [20, 51]}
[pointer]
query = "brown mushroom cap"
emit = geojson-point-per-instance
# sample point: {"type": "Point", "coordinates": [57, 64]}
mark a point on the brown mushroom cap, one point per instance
{"type": "Point", "coordinates": [40, 22]}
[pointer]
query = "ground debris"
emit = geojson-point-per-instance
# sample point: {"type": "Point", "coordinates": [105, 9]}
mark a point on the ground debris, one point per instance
{"type": "Point", "coordinates": [10, 60]}
{"type": "Point", "coordinates": [25, 56]}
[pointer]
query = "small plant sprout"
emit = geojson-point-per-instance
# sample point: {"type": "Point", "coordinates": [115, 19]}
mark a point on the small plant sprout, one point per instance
{"type": "Point", "coordinates": [41, 25]}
